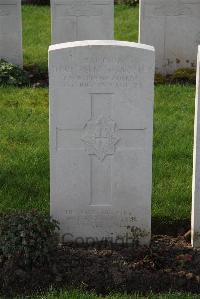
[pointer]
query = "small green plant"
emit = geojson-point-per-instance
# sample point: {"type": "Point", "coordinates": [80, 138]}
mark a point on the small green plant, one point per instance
{"type": "Point", "coordinates": [27, 239]}
{"type": "Point", "coordinates": [160, 79]}
{"type": "Point", "coordinates": [180, 76]}
{"type": "Point", "coordinates": [11, 74]}
{"type": "Point", "coordinates": [184, 75]}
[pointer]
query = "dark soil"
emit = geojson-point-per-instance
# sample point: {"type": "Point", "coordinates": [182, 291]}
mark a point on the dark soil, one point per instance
{"type": "Point", "coordinates": [168, 264]}
{"type": "Point", "coordinates": [170, 227]}
{"type": "Point", "coordinates": [39, 78]}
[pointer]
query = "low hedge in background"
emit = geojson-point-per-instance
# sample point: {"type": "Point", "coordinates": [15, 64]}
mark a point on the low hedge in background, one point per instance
{"type": "Point", "coordinates": [47, 2]}
{"type": "Point", "coordinates": [127, 2]}
{"type": "Point", "coordinates": [37, 2]}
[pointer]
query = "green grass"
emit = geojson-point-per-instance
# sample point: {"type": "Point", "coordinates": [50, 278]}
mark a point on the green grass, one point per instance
{"type": "Point", "coordinates": [36, 35]}
{"type": "Point", "coordinates": [24, 171]}
{"type": "Point", "coordinates": [78, 295]}
{"type": "Point", "coordinates": [81, 295]}
{"type": "Point", "coordinates": [126, 23]}
{"type": "Point", "coordinates": [37, 31]}
{"type": "Point", "coordinates": [172, 157]}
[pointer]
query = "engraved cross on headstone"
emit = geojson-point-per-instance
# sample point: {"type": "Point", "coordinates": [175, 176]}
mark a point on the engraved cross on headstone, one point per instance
{"type": "Point", "coordinates": [80, 9]}
{"type": "Point", "coordinates": [101, 138]}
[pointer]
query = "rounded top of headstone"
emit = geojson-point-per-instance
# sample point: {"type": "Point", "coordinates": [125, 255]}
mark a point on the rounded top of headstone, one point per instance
{"type": "Point", "coordinates": [91, 43]}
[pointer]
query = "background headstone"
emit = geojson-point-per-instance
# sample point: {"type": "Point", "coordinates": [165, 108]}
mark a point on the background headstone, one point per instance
{"type": "Point", "coordinates": [101, 109]}
{"type": "Point", "coordinates": [74, 20]}
{"type": "Point", "coordinates": [11, 31]}
{"type": "Point", "coordinates": [173, 28]}
{"type": "Point", "coordinates": [196, 164]}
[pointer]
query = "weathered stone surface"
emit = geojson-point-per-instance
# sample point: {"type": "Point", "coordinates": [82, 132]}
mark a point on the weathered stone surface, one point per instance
{"type": "Point", "coordinates": [196, 164]}
{"type": "Point", "coordinates": [173, 28]}
{"type": "Point", "coordinates": [75, 20]}
{"type": "Point", "coordinates": [11, 31]}
{"type": "Point", "coordinates": [101, 123]}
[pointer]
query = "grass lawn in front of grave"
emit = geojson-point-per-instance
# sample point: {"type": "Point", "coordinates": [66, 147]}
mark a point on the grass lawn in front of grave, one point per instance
{"type": "Point", "coordinates": [24, 169]}
{"type": "Point", "coordinates": [36, 36]}
{"type": "Point", "coordinates": [37, 31]}
{"type": "Point", "coordinates": [84, 295]}
{"type": "Point", "coordinates": [172, 155]}
{"type": "Point", "coordinates": [126, 23]}
{"type": "Point", "coordinates": [24, 160]}
{"type": "Point", "coordinates": [79, 295]}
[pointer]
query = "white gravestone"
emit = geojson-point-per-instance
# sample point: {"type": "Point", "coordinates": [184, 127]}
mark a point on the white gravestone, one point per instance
{"type": "Point", "coordinates": [173, 28]}
{"type": "Point", "coordinates": [11, 31]}
{"type": "Point", "coordinates": [75, 20]}
{"type": "Point", "coordinates": [196, 164]}
{"type": "Point", "coordinates": [101, 123]}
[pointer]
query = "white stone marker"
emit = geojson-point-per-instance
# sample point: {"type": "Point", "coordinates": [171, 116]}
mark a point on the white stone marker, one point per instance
{"type": "Point", "coordinates": [11, 31]}
{"type": "Point", "coordinates": [74, 20]}
{"type": "Point", "coordinates": [101, 125]}
{"type": "Point", "coordinates": [196, 164]}
{"type": "Point", "coordinates": [173, 28]}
